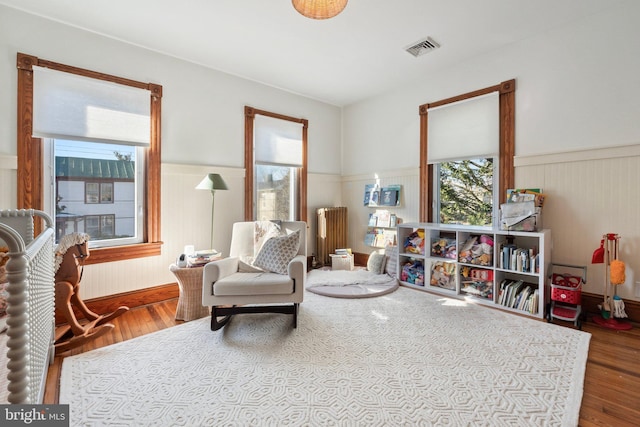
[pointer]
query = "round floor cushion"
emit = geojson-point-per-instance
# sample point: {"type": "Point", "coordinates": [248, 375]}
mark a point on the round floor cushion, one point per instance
{"type": "Point", "coordinates": [359, 283]}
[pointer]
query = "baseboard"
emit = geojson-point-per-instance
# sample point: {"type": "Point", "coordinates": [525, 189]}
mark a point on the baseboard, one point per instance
{"type": "Point", "coordinates": [131, 299]}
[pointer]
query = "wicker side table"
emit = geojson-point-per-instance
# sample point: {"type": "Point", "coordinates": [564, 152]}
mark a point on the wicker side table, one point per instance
{"type": "Point", "coordinates": [190, 299]}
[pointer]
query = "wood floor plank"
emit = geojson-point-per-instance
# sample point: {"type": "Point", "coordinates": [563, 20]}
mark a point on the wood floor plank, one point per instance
{"type": "Point", "coordinates": [611, 396]}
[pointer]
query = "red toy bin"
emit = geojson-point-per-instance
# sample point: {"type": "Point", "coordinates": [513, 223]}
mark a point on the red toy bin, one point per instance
{"type": "Point", "coordinates": [566, 288]}
{"type": "Point", "coordinates": [566, 295]}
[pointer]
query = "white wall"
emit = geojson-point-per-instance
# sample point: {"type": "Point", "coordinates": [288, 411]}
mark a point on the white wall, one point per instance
{"type": "Point", "coordinates": [202, 132]}
{"type": "Point", "coordinates": [577, 93]}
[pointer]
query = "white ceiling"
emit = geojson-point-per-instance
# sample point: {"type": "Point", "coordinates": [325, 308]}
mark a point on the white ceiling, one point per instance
{"type": "Point", "coordinates": [357, 54]}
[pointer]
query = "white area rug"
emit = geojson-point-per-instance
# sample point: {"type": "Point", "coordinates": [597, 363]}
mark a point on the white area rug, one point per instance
{"type": "Point", "coordinates": [358, 283]}
{"type": "Point", "coordinates": [406, 358]}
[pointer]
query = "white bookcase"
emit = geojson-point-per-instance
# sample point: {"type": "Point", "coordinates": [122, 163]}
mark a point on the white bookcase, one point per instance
{"type": "Point", "coordinates": [503, 269]}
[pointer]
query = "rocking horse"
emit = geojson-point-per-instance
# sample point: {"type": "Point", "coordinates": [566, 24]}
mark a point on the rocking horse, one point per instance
{"type": "Point", "coordinates": [70, 254]}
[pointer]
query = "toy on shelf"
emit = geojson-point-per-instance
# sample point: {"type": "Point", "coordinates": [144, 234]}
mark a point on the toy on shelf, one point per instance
{"type": "Point", "coordinates": [477, 250]}
{"type": "Point", "coordinates": [414, 243]}
{"type": "Point", "coordinates": [612, 308]}
{"type": "Point", "coordinates": [413, 272]}
{"type": "Point", "coordinates": [444, 248]}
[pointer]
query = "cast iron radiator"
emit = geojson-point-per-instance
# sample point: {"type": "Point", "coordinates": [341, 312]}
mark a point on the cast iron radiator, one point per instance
{"type": "Point", "coordinates": [331, 232]}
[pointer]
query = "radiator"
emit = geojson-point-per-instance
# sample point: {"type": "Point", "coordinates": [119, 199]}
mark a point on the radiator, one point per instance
{"type": "Point", "coordinates": [332, 232]}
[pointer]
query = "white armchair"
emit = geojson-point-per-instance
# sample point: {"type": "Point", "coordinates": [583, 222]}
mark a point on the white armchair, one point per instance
{"type": "Point", "coordinates": [228, 288]}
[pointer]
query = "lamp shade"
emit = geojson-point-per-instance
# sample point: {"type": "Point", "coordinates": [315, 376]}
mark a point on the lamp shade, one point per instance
{"type": "Point", "coordinates": [212, 181]}
{"type": "Point", "coordinates": [319, 9]}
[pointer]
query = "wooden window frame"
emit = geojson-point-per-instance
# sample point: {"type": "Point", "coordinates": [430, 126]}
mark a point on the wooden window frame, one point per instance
{"type": "Point", "coordinates": [249, 121]}
{"type": "Point", "coordinates": [506, 179]}
{"type": "Point", "coordinates": [30, 157]}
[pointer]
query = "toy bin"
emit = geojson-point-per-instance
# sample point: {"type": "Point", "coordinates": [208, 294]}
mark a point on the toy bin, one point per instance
{"type": "Point", "coordinates": [566, 293]}
{"type": "Point", "coordinates": [413, 272]}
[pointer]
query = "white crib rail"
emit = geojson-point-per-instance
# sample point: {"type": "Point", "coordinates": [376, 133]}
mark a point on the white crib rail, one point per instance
{"type": "Point", "coordinates": [31, 320]}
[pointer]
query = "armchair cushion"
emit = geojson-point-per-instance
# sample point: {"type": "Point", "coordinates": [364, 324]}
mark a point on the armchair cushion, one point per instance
{"type": "Point", "coordinates": [254, 284]}
{"type": "Point", "coordinates": [277, 252]}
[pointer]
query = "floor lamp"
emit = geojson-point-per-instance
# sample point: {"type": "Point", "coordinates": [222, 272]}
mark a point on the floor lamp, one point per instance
{"type": "Point", "coordinates": [212, 182]}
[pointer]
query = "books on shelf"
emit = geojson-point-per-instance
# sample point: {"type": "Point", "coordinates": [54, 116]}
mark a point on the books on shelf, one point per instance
{"type": "Point", "coordinates": [518, 295]}
{"type": "Point", "coordinates": [389, 238]}
{"type": "Point", "coordinates": [384, 218]}
{"type": "Point", "coordinates": [519, 259]}
{"type": "Point", "coordinates": [390, 196]}
{"type": "Point", "coordinates": [380, 238]}
{"type": "Point", "coordinates": [371, 195]}
{"type": "Point", "coordinates": [385, 196]}
{"type": "Point", "coordinates": [370, 238]}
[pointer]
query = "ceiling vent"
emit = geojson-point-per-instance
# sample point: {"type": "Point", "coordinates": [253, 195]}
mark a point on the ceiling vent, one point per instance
{"type": "Point", "coordinates": [422, 47]}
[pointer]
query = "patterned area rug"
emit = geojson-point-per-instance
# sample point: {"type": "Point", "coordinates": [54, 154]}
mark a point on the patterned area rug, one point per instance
{"type": "Point", "coordinates": [406, 358]}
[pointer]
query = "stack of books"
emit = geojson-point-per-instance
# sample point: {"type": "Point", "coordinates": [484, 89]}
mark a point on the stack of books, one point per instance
{"type": "Point", "coordinates": [200, 258]}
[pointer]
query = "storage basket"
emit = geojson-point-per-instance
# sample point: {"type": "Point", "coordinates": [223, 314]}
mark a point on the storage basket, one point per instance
{"type": "Point", "coordinates": [566, 288]}
{"type": "Point", "coordinates": [341, 262]}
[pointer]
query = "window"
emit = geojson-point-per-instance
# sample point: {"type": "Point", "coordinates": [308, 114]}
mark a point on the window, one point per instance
{"type": "Point", "coordinates": [101, 179]}
{"type": "Point", "coordinates": [276, 188]}
{"type": "Point", "coordinates": [465, 170]}
{"type": "Point", "coordinates": [275, 164]}
{"type": "Point", "coordinates": [102, 121]}
{"type": "Point", "coordinates": [464, 190]}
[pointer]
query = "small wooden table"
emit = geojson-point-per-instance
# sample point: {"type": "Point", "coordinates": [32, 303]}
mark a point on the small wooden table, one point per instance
{"type": "Point", "coordinates": [190, 299]}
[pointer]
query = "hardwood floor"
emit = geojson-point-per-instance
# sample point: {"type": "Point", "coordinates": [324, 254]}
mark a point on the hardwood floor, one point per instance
{"type": "Point", "coordinates": [612, 381]}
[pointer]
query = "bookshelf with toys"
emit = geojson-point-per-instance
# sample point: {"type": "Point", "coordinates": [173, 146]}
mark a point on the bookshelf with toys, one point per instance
{"type": "Point", "coordinates": [495, 267]}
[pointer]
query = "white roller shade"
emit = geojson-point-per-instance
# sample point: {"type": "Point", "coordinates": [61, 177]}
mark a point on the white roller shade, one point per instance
{"type": "Point", "coordinates": [277, 141]}
{"type": "Point", "coordinates": [69, 106]}
{"type": "Point", "coordinates": [464, 129]}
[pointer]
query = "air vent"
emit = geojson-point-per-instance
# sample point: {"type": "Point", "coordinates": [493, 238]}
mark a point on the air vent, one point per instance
{"type": "Point", "coordinates": [422, 47]}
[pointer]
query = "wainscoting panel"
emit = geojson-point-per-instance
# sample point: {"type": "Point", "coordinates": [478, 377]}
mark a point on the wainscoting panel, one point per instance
{"type": "Point", "coordinates": [586, 198]}
{"type": "Point", "coordinates": [8, 178]}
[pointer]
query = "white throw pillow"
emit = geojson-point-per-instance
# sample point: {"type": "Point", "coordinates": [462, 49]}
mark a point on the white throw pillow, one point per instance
{"type": "Point", "coordinates": [263, 231]}
{"type": "Point", "coordinates": [277, 252]}
{"type": "Point", "coordinates": [375, 263]}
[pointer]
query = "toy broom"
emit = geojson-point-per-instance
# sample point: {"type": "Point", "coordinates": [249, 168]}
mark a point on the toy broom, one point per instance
{"type": "Point", "coordinates": [614, 277]}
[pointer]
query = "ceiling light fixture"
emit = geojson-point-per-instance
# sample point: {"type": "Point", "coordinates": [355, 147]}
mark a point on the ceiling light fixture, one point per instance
{"type": "Point", "coordinates": [319, 9]}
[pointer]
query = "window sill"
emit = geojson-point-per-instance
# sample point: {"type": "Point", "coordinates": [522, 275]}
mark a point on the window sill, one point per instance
{"type": "Point", "coordinates": [121, 253]}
